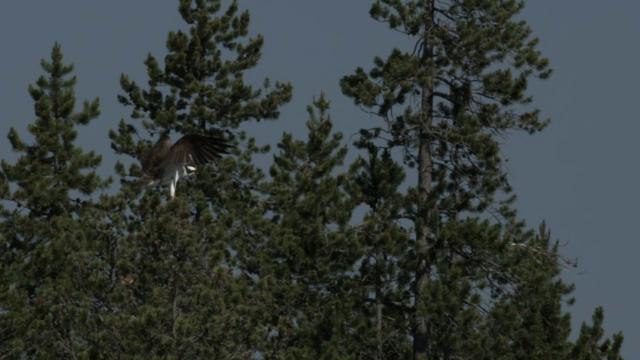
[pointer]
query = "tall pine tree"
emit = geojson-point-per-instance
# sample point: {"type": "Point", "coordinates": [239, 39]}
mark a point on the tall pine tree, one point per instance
{"type": "Point", "coordinates": [309, 249]}
{"type": "Point", "coordinates": [187, 287]}
{"type": "Point", "coordinates": [459, 280]}
{"type": "Point", "coordinates": [46, 302]}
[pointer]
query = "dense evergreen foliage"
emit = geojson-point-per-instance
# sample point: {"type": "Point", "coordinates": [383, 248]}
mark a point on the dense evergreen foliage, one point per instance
{"type": "Point", "coordinates": [456, 263]}
{"type": "Point", "coordinates": [48, 265]}
{"type": "Point", "coordinates": [413, 250]}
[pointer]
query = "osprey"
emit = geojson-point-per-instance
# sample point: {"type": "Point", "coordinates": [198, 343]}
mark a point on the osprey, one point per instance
{"type": "Point", "coordinates": [166, 164]}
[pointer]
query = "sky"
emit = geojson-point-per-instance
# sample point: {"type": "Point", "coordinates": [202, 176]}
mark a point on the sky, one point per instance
{"type": "Point", "coordinates": [580, 175]}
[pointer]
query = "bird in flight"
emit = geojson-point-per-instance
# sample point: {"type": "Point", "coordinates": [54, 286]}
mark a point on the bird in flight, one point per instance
{"type": "Point", "coordinates": [166, 164]}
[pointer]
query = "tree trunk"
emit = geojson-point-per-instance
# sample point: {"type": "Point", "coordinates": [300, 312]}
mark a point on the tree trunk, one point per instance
{"type": "Point", "coordinates": [379, 348]}
{"type": "Point", "coordinates": [425, 169]}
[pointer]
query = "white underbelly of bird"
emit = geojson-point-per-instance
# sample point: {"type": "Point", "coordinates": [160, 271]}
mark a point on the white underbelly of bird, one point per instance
{"type": "Point", "coordinates": [171, 175]}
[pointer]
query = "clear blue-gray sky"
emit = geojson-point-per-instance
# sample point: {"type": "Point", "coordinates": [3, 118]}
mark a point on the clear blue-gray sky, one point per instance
{"type": "Point", "coordinates": [579, 175]}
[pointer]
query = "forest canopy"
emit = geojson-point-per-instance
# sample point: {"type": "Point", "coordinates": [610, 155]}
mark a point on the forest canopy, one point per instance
{"type": "Point", "coordinates": [411, 247]}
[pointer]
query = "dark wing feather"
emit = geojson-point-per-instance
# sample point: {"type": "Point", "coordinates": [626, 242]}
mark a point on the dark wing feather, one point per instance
{"type": "Point", "coordinates": [198, 149]}
{"type": "Point", "coordinates": [153, 159]}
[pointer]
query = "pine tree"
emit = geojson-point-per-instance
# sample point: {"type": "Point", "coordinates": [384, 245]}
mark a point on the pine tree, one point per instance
{"type": "Point", "coordinates": [309, 252]}
{"type": "Point", "coordinates": [449, 259]}
{"type": "Point", "coordinates": [531, 312]}
{"type": "Point", "coordinates": [187, 286]}
{"type": "Point", "coordinates": [46, 302]}
{"type": "Point", "coordinates": [374, 183]}
{"type": "Point", "coordinates": [587, 346]}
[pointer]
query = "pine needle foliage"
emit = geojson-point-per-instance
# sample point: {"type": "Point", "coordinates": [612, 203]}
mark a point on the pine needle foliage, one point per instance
{"type": "Point", "coordinates": [413, 249]}
{"type": "Point", "coordinates": [188, 286]}
{"type": "Point", "coordinates": [450, 261]}
{"type": "Point", "coordinates": [46, 302]}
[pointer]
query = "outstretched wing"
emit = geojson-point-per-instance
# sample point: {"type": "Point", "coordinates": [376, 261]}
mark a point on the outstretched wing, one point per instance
{"type": "Point", "coordinates": [153, 159]}
{"type": "Point", "coordinates": [198, 149]}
